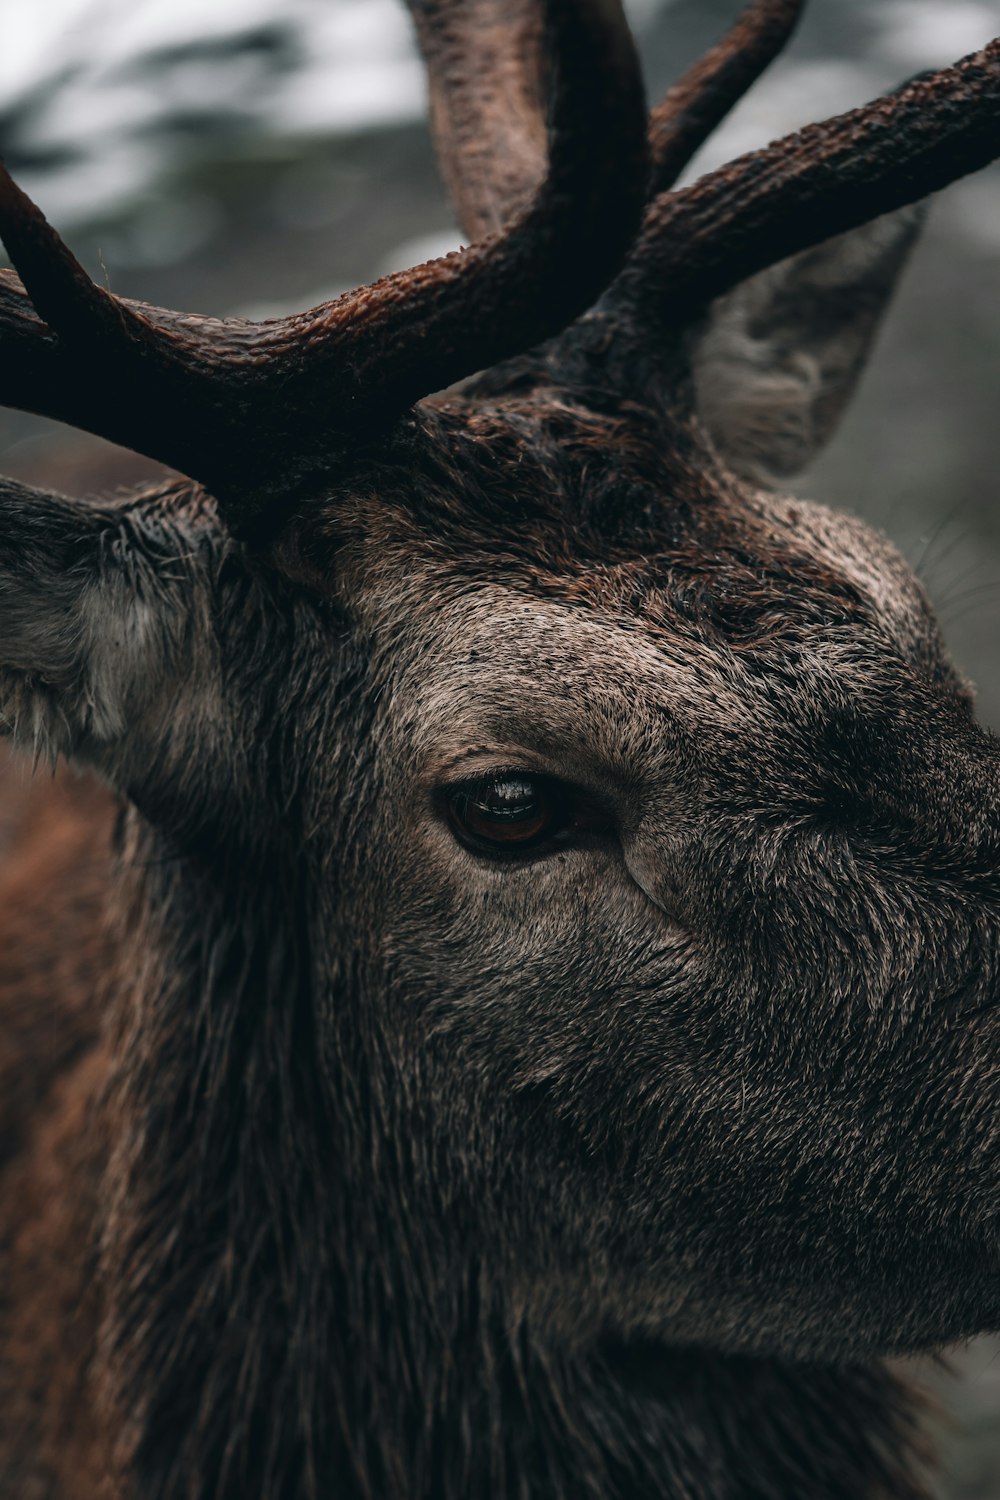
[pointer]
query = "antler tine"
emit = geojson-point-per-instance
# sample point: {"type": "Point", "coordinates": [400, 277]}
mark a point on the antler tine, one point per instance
{"type": "Point", "coordinates": [487, 99]}
{"type": "Point", "coordinates": [487, 105]}
{"type": "Point", "coordinates": [61, 292]}
{"type": "Point", "coordinates": [700, 100]}
{"type": "Point", "coordinates": [700, 241]}
{"type": "Point", "coordinates": [250, 408]}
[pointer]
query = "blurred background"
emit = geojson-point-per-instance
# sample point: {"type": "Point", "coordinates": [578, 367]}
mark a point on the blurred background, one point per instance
{"type": "Point", "coordinates": [257, 156]}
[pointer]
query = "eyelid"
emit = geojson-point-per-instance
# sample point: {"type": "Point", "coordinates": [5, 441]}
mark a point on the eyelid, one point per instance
{"type": "Point", "coordinates": [481, 764]}
{"type": "Point", "coordinates": [479, 761]}
{"type": "Point", "coordinates": [495, 773]}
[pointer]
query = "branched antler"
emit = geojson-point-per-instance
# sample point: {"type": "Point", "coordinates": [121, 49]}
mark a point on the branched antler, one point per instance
{"type": "Point", "coordinates": [487, 87]}
{"type": "Point", "coordinates": [249, 407]}
{"type": "Point", "coordinates": [701, 241]}
{"type": "Point", "coordinates": [698, 103]}
{"type": "Point", "coordinates": [537, 113]}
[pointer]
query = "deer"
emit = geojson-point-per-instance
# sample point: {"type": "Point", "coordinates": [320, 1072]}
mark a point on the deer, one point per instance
{"type": "Point", "coordinates": [505, 1004]}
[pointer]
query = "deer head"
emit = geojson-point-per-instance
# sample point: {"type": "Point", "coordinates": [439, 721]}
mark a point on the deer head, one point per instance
{"type": "Point", "coordinates": [623, 826]}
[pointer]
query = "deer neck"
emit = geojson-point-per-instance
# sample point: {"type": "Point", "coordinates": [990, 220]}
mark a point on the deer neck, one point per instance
{"type": "Point", "coordinates": [292, 1302]}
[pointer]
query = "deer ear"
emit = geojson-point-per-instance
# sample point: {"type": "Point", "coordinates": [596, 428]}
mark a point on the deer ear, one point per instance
{"type": "Point", "coordinates": [91, 613]}
{"type": "Point", "coordinates": [782, 353]}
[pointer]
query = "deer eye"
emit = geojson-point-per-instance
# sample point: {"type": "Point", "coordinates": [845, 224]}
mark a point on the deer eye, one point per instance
{"type": "Point", "coordinates": [509, 812]}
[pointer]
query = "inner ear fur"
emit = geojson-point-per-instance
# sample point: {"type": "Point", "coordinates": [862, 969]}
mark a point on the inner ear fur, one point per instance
{"type": "Point", "coordinates": [88, 619]}
{"type": "Point", "coordinates": [782, 353]}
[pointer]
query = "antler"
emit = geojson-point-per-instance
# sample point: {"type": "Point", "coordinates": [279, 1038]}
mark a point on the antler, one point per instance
{"type": "Point", "coordinates": [700, 100]}
{"type": "Point", "coordinates": [487, 104]}
{"type": "Point", "coordinates": [701, 241]}
{"type": "Point", "coordinates": [248, 407]}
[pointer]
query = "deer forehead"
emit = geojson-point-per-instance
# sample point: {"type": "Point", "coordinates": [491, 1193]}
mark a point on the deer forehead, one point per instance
{"type": "Point", "coordinates": [568, 668]}
{"type": "Point", "coordinates": [860, 556]}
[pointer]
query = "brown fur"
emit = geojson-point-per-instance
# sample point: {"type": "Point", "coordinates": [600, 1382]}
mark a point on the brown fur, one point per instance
{"type": "Point", "coordinates": [345, 1155]}
{"type": "Point", "coordinates": [123, 1348]}
{"type": "Point", "coordinates": [55, 961]}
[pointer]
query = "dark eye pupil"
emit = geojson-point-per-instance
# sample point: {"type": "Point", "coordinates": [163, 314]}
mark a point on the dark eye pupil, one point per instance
{"type": "Point", "coordinates": [508, 812]}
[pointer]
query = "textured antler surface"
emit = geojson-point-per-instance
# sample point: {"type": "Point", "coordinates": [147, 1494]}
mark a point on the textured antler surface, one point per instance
{"type": "Point", "coordinates": [700, 100]}
{"type": "Point", "coordinates": [246, 406]}
{"type": "Point", "coordinates": [537, 108]}
{"type": "Point", "coordinates": [486, 70]}
{"type": "Point", "coordinates": [702, 240]}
